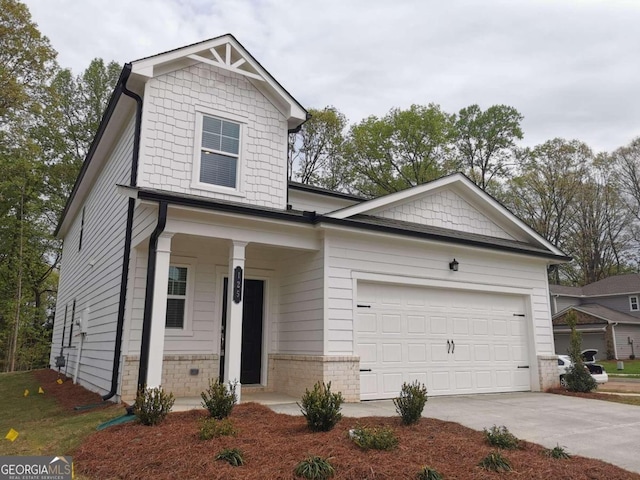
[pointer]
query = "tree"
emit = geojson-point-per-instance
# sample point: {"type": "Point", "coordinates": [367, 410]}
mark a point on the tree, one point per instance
{"type": "Point", "coordinates": [316, 151]}
{"type": "Point", "coordinates": [545, 191]}
{"type": "Point", "coordinates": [577, 378]}
{"type": "Point", "coordinates": [26, 58]}
{"type": "Point", "coordinates": [626, 161]}
{"type": "Point", "coordinates": [485, 141]}
{"type": "Point", "coordinates": [401, 150]}
{"type": "Point", "coordinates": [598, 237]}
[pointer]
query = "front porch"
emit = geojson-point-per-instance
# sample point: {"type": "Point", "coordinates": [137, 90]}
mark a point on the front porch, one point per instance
{"type": "Point", "coordinates": [236, 304]}
{"type": "Point", "coordinates": [249, 394]}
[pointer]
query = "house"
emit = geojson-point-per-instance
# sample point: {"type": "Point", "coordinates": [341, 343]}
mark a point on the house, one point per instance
{"type": "Point", "coordinates": [188, 256]}
{"type": "Point", "coordinates": [607, 311]}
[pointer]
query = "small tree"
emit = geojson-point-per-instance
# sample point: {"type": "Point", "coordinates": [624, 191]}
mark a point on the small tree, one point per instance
{"type": "Point", "coordinates": [578, 378]}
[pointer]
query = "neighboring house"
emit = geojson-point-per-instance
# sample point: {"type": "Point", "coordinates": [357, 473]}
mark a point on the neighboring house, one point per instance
{"type": "Point", "coordinates": [608, 314]}
{"type": "Point", "coordinates": [188, 256]}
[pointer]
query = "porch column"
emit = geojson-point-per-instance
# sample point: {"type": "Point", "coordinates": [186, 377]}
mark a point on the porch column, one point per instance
{"type": "Point", "coordinates": [235, 301]}
{"type": "Point", "coordinates": [158, 320]}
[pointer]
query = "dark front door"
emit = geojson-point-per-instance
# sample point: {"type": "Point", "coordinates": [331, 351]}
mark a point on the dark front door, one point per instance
{"type": "Point", "coordinates": [252, 311]}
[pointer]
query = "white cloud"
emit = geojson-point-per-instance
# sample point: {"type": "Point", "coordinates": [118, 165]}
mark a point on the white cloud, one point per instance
{"type": "Point", "coordinates": [570, 67]}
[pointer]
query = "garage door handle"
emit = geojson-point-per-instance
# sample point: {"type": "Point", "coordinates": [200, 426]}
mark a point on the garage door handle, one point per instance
{"type": "Point", "coordinates": [519, 315]}
{"type": "Point", "coordinates": [523, 366]}
{"type": "Point", "coordinates": [365, 369]}
{"type": "Point", "coordinates": [363, 306]}
{"type": "Point", "coordinates": [454, 346]}
{"type": "Point", "coordinates": [448, 346]}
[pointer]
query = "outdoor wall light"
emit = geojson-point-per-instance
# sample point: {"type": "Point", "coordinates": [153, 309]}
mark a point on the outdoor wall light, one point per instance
{"type": "Point", "coordinates": [454, 265]}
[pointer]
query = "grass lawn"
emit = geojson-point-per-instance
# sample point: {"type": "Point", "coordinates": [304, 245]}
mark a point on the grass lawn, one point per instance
{"type": "Point", "coordinates": [44, 426]}
{"type": "Point", "coordinates": [631, 367]}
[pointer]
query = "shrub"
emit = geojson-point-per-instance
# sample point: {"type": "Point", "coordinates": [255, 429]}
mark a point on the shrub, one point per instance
{"type": "Point", "coordinates": [214, 428]}
{"type": "Point", "coordinates": [321, 408]}
{"type": "Point", "coordinates": [428, 473]}
{"type": "Point", "coordinates": [411, 401]}
{"type": "Point", "coordinates": [577, 378]}
{"type": "Point", "coordinates": [315, 468]}
{"type": "Point", "coordinates": [632, 357]}
{"type": "Point", "coordinates": [382, 438]}
{"type": "Point", "coordinates": [152, 405]}
{"type": "Point", "coordinates": [557, 452]}
{"type": "Point", "coordinates": [219, 399]}
{"type": "Point", "coordinates": [501, 437]}
{"type": "Point", "coordinates": [232, 456]}
{"type": "Point", "coordinates": [495, 462]}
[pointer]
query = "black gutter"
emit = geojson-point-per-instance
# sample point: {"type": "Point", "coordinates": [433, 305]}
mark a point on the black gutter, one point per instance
{"type": "Point", "coordinates": [208, 204]}
{"type": "Point", "coordinates": [124, 277]}
{"type": "Point", "coordinates": [148, 296]}
{"type": "Point", "coordinates": [438, 237]}
{"type": "Point", "coordinates": [310, 218]}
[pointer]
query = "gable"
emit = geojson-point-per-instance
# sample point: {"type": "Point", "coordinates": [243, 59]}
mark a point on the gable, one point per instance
{"type": "Point", "coordinates": [444, 209]}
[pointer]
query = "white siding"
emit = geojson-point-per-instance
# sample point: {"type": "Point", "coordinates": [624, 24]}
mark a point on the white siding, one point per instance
{"type": "Point", "coordinates": [350, 254]}
{"type": "Point", "coordinates": [300, 322]}
{"type": "Point", "coordinates": [167, 152]}
{"type": "Point", "coordinates": [313, 202]}
{"type": "Point", "coordinates": [92, 275]}
{"type": "Point", "coordinates": [444, 209]}
{"type": "Point", "coordinates": [207, 261]}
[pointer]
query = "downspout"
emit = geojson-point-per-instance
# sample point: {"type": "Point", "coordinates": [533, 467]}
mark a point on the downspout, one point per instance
{"type": "Point", "coordinates": [292, 131]}
{"type": "Point", "coordinates": [148, 296]}
{"type": "Point", "coordinates": [124, 277]}
{"type": "Point", "coordinates": [613, 337]}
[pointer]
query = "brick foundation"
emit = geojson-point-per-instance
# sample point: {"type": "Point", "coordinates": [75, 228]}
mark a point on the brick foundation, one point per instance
{"type": "Point", "coordinates": [176, 377]}
{"type": "Point", "coordinates": [293, 374]}
{"type": "Point", "coordinates": [548, 372]}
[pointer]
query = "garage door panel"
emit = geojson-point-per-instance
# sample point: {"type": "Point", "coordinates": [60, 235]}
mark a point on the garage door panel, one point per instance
{"type": "Point", "coordinates": [403, 337]}
{"type": "Point", "coordinates": [417, 353]}
{"type": "Point", "coordinates": [438, 325]}
{"type": "Point", "coordinates": [392, 353]}
{"type": "Point", "coordinates": [366, 323]}
{"type": "Point", "coordinates": [462, 353]}
{"type": "Point", "coordinates": [391, 323]}
{"type": "Point", "coordinates": [482, 353]}
{"type": "Point", "coordinates": [416, 324]}
{"type": "Point", "coordinates": [391, 384]}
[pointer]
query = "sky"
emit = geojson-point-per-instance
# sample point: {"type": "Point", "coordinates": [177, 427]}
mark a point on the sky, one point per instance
{"type": "Point", "coordinates": [570, 67]}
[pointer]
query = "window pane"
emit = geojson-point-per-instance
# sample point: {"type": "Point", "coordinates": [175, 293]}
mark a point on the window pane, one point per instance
{"type": "Point", "coordinates": [177, 281]}
{"type": "Point", "coordinates": [175, 313]}
{"type": "Point", "coordinates": [229, 145]}
{"type": "Point", "coordinates": [230, 129]}
{"type": "Point", "coordinates": [218, 169]}
{"type": "Point", "coordinates": [211, 125]}
{"type": "Point", "coordinates": [211, 141]}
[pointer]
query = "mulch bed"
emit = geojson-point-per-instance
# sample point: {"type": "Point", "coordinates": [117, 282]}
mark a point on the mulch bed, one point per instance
{"type": "Point", "coordinates": [67, 395]}
{"type": "Point", "coordinates": [274, 443]}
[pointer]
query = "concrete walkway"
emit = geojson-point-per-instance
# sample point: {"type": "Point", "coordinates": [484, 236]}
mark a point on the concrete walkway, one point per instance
{"type": "Point", "coordinates": [592, 428]}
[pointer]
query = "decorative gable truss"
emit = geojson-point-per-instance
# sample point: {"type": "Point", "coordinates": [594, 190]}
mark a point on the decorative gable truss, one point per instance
{"type": "Point", "coordinates": [227, 57]}
{"type": "Point", "coordinates": [226, 53]}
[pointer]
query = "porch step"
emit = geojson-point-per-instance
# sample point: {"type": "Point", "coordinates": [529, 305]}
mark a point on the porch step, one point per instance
{"type": "Point", "coordinates": [250, 389]}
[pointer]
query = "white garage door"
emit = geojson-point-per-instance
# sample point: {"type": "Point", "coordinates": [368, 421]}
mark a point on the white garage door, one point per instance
{"type": "Point", "coordinates": [452, 341]}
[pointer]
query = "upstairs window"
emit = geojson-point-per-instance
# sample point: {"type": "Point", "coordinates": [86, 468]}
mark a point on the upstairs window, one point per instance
{"type": "Point", "coordinates": [176, 297]}
{"type": "Point", "coordinates": [633, 303]}
{"type": "Point", "coordinates": [219, 152]}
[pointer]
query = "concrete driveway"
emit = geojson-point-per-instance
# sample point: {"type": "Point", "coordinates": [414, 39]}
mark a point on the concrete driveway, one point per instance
{"type": "Point", "coordinates": [591, 428]}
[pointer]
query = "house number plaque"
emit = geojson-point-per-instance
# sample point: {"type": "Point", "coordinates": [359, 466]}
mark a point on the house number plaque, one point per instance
{"type": "Point", "coordinates": [237, 284]}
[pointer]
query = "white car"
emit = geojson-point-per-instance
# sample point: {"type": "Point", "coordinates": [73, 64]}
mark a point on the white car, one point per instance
{"type": "Point", "coordinates": [597, 371]}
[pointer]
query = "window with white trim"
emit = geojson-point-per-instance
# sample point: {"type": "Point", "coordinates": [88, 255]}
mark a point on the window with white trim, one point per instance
{"type": "Point", "coordinates": [176, 297]}
{"type": "Point", "coordinates": [219, 152]}
{"type": "Point", "coordinates": [633, 303]}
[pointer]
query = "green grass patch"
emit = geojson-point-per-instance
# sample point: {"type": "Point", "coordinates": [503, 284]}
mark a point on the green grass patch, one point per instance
{"type": "Point", "coordinates": [44, 428]}
{"type": "Point", "coordinates": [631, 367]}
